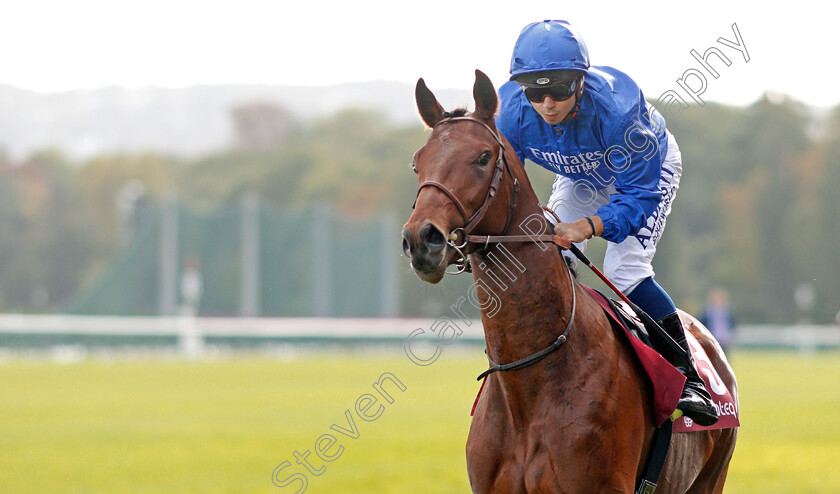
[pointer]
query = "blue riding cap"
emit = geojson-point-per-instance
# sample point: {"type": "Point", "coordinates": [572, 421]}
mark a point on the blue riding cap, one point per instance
{"type": "Point", "coordinates": [548, 46]}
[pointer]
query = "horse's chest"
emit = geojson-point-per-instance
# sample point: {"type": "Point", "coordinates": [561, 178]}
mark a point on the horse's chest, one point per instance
{"type": "Point", "coordinates": [543, 474]}
{"type": "Point", "coordinates": [554, 454]}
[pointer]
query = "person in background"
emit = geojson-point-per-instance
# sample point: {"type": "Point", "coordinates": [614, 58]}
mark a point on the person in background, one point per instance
{"type": "Point", "coordinates": [718, 318]}
{"type": "Point", "coordinates": [192, 286]}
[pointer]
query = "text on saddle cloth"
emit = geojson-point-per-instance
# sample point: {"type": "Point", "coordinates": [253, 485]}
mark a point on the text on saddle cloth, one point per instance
{"type": "Point", "coordinates": [726, 407]}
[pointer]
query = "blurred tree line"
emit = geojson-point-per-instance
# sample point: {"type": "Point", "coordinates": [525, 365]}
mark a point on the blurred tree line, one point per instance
{"type": "Point", "coordinates": [756, 211]}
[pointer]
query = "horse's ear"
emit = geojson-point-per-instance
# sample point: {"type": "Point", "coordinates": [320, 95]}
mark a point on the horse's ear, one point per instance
{"type": "Point", "coordinates": [484, 93]}
{"type": "Point", "coordinates": [430, 110]}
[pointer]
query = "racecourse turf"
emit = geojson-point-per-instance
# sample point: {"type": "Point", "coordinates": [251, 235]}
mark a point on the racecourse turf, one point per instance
{"type": "Point", "coordinates": [225, 425]}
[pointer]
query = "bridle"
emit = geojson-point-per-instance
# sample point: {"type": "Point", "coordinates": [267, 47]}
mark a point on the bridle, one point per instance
{"type": "Point", "coordinates": [461, 239]}
{"type": "Point", "coordinates": [468, 240]}
{"type": "Point", "coordinates": [461, 234]}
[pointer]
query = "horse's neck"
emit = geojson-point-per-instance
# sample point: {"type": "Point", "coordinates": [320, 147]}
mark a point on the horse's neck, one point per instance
{"type": "Point", "coordinates": [528, 300]}
{"type": "Point", "coordinates": [527, 297]}
{"type": "Point", "coordinates": [519, 279]}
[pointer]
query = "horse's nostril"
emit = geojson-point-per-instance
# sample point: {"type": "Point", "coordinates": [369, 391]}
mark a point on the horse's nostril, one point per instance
{"type": "Point", "coordinates": [407, 242]}
{"type": "Point", "coordinates": [433, 238]}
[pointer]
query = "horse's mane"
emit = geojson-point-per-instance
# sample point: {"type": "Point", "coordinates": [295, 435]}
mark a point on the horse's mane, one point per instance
{"type": "Point", "coordinates": [457, 112]}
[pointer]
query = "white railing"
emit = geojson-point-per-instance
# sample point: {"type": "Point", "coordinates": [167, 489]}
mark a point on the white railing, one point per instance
{"type": "Point", "coordinates": [192, 333]}
{"type": "Point", "coordinates": [213, 326]}
{"type": "Point", "coordinates": [800, 336]}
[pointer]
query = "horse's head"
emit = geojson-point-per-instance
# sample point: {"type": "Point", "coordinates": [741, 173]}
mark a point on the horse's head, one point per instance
{"type": "Point", "coordinates": [459, 171]}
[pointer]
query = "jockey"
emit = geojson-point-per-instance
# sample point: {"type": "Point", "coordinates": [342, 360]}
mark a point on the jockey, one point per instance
{"type": "Point", "coordinates": [618, 169]}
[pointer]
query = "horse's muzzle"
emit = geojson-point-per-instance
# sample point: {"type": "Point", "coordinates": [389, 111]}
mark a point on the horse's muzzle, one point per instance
{"type": "Point", "coordinates": [426, 248]}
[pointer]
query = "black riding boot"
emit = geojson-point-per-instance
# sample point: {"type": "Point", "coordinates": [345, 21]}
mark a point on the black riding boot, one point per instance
{"type": "Point", "coordinates": [695, 402]}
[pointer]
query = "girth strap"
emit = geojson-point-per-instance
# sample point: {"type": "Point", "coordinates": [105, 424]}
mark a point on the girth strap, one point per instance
{"type": "Point", "coordinates": [656, 460]}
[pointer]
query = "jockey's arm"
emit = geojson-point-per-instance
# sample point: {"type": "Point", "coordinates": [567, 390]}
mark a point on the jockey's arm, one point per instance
{"type": "Point", "coordinates": [637, 193]}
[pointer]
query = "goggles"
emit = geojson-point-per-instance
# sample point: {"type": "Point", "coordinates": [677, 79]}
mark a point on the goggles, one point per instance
{"type": "Point", "coordinates": [558, 92]}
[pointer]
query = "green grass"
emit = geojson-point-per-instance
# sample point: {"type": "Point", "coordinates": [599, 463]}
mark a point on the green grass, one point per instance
{"type": "Point", "coordinates": [789, 441]}
{"type": "Point", "coordinates": [223, 426]}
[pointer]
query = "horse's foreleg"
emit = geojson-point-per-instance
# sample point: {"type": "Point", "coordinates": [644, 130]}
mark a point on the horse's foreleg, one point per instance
{"type": "Point", "coordinates": [491, 465]}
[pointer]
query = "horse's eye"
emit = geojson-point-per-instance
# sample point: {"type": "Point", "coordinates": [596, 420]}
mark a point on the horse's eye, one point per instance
{"type": "Point", "coordinates": [485, 158]}
{"type": "Point", "coordinates": [413, 166]}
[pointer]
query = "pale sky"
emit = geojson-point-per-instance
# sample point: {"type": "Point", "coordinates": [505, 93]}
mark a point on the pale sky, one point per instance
{"type": "Point", "coordinates": [48, 45]}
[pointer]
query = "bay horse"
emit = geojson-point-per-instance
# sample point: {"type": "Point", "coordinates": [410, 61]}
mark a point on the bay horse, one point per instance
{"type": "Point", "coordinates": [579, 420]}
